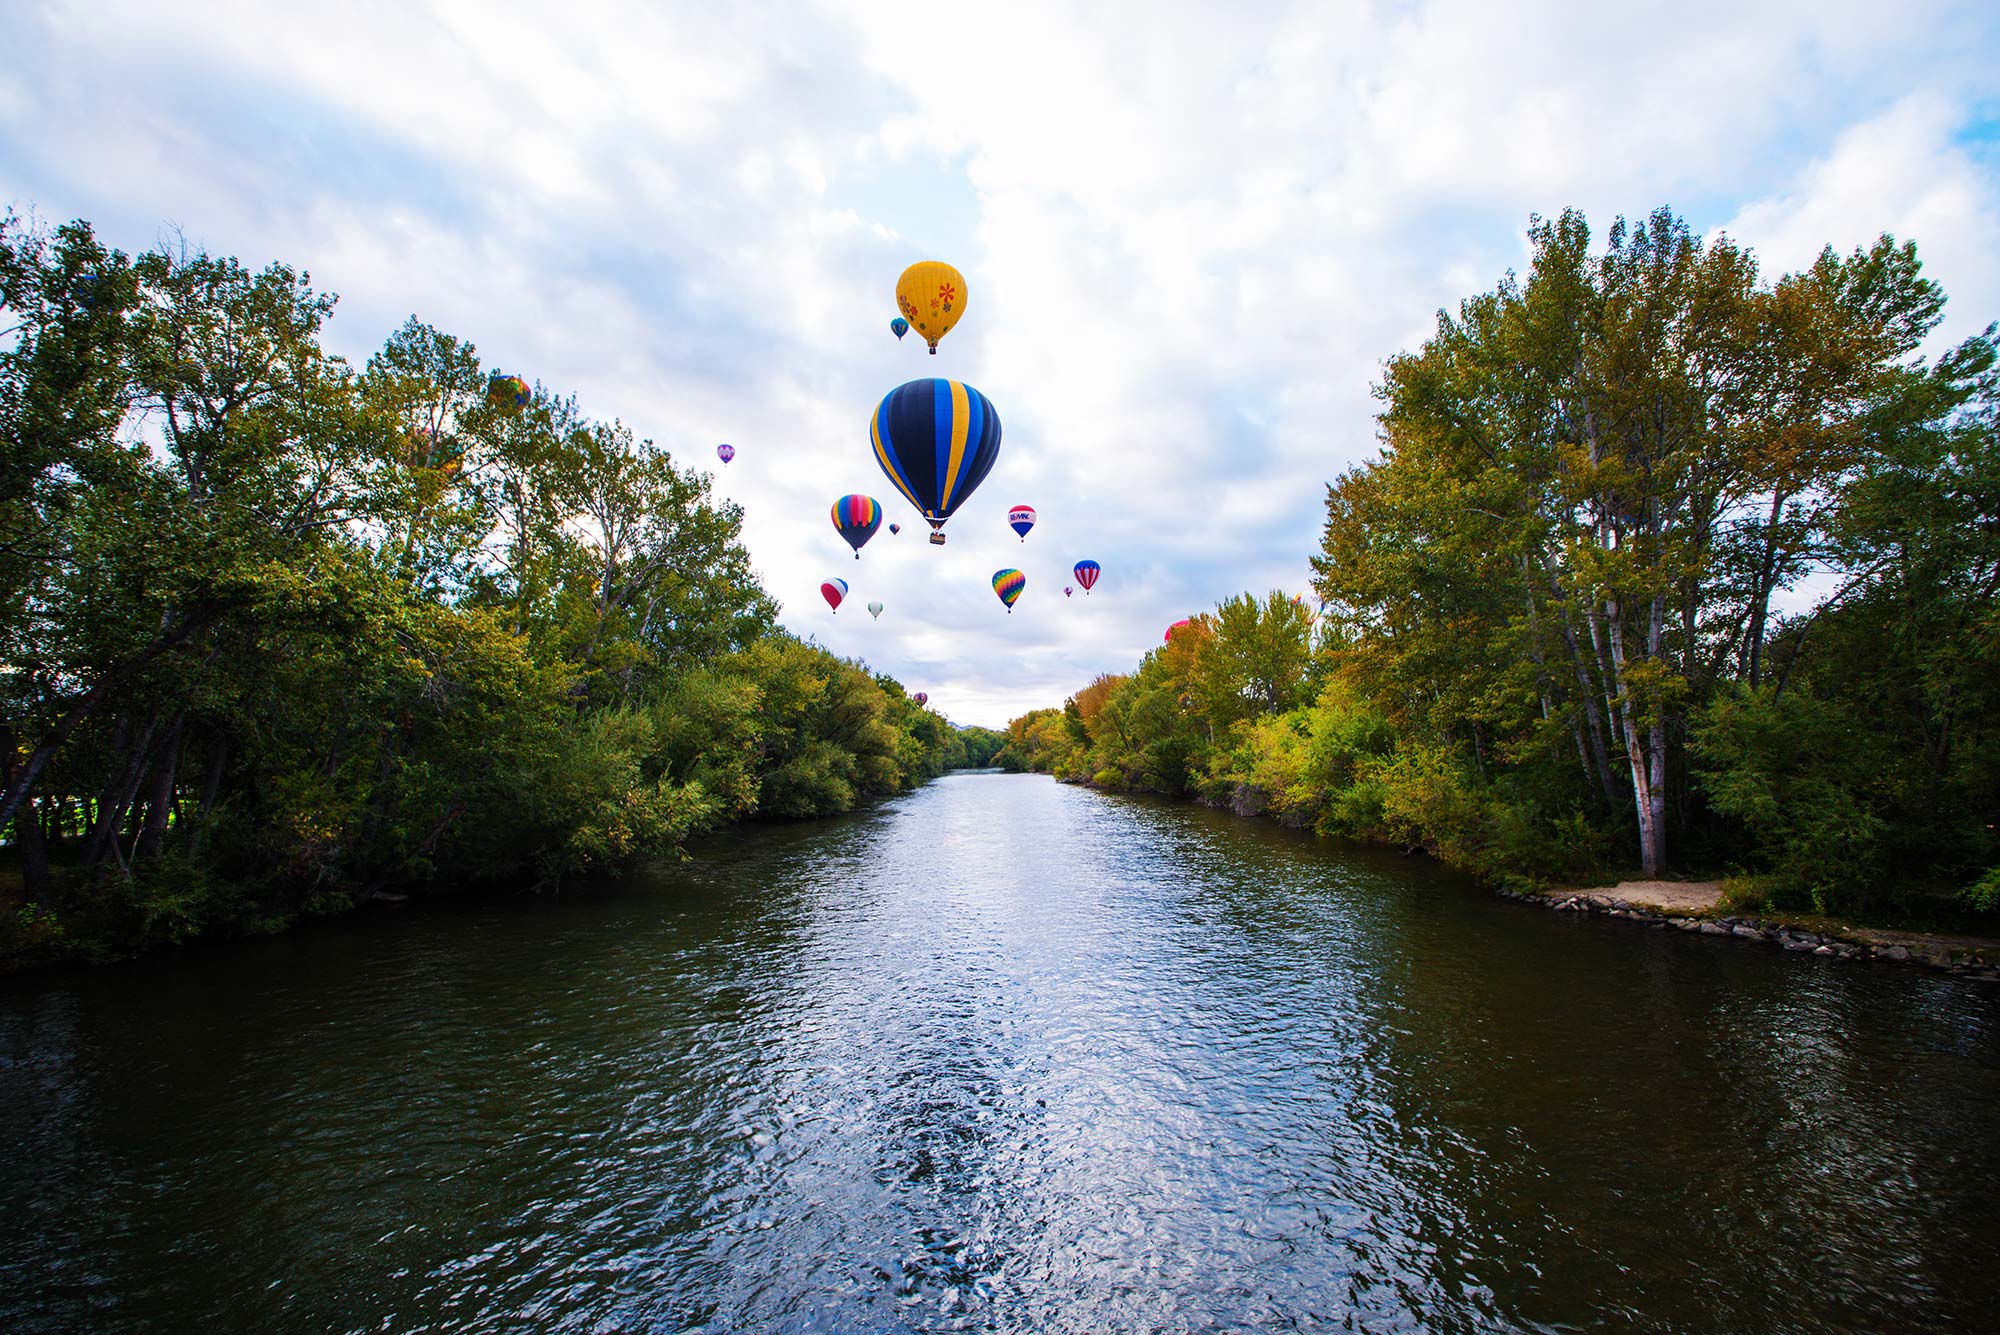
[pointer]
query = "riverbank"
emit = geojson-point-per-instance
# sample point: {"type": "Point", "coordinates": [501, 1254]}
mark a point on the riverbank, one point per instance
{"type": "Point", "coordinates": [1700, 907]}
{"type": "Point", "coordinates": [1696, 906]}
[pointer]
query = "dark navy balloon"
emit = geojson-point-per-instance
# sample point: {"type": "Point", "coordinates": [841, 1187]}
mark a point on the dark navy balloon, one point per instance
{"type": "Point", "coordinates": [937, 440]}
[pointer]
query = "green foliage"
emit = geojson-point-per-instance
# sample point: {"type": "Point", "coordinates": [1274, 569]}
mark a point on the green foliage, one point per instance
{"type": "Point", "coordinates": [337, 635]}
{"type": "Point", "coordinates": [1551, 645]}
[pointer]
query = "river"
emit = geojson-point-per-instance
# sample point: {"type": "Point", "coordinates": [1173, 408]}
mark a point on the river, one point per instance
{"type": "Point", "coordinates": [1000, 1055]}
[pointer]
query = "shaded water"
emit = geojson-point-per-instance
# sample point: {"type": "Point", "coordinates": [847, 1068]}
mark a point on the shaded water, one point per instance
{"type": "Point", "coordinates": [1001, 1055]}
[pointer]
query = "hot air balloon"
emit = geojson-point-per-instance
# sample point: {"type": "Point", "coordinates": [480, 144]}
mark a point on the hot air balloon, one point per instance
{"type": "Point", "coordinates": [91, 288]}
{"type": "Point", "coordinates": [1021, 518]}
{"type": "Point", "coordinates": [1176, 626]}
{"type": "Point", "coordinates": [899, 326]}
{"type": "Point", "coordinates": [931, 295]}
{"type": "Point", "coordinates": [1068, 590]}
{"type": "Point", "coordinates": [937, 440]}
{"type": "Point", "coordinates": [1086, 573]}
{"type": "Point", "coordinates": [833, 591]}
{"type": "Point", "coordinates": [895, 529]}
{"type": "Point", "coordinates": [507, 391]}
{"type": "Point", "coordinates": [725, 452]}
{"type": "Point", "coordinates": [1008, 584]}
{"type": "Point", "coordinates": [875, 610]}
{"type": "Point", "coordinates": [922, 699]}
{"type": "Point", "coordinates": [857, 518]}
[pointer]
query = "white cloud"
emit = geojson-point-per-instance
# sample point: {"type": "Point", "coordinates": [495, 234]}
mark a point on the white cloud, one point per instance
{"type": "Point", "coordinates": [1191, 233]}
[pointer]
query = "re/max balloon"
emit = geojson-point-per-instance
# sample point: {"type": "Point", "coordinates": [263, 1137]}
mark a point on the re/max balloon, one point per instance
{"type": "Point", "coordinates": [1086, 574]}
{"type": "Point", "coordinates": [508, 391]}
{"type": "Point", "coordinates": [936, 440]}
{"type": "Point", "coordinates": [857, 517]}
{"type": "Point", "coordinates": [931, 296]}
{"type": "Point", "coordinates": [899, 326]}
{"type": "Point", "coordinates": [833, 590]}
{"type": "Point", "coordinates": [1021, 518]}
{"type": "Point", "coordinates": [1008, 584]}
{"type": "Point", "coordinates": [725, 452]}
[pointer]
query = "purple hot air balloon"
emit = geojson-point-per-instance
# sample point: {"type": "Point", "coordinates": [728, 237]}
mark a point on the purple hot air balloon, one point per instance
{"type": "Point", "coordinates": [1068, 589]}
{"type": "Point", "coordinates": [725, 452]}
{"type": "Point", "coordinates": [922, 699]}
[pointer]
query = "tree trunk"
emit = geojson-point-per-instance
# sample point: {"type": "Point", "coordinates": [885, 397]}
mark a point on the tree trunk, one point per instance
{"type": "Point", "coordinates": [119, 790]}
{"type": "Point", "coordinates": [1649, 805]}
{"type": "Point", "coordinates": [211, 785]}
{"type": "Point", "coordinates": [160, 795]}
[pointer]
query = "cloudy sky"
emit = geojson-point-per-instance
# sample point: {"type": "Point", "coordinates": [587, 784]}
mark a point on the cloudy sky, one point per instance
{"type": "Point", "coordinates": [1190, 233]}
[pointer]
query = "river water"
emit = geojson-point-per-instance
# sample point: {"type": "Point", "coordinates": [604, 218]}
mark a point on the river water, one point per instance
{"type": "Point", "coordinates": [1000, 1055]}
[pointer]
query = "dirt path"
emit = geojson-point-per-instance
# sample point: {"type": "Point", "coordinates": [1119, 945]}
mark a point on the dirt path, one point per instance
{"type": "Point", "coordinates": [1680, 897]}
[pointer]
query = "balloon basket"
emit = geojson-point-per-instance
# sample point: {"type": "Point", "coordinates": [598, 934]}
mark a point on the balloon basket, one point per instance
{"type": "Point", "coordinates": [937, 539]}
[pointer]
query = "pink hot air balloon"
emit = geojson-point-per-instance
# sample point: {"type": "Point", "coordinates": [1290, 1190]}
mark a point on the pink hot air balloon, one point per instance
{"type": "Point", "coordinates": [1176, 626]}
{"type": "Point", "coordinates": [834, 590]}
{"type": "Point", "coordinates": [725, 452]}
{"type": "Point", "coordinates": [922, 699]}
{"type": "Point", "coordinates": [1068, 589]}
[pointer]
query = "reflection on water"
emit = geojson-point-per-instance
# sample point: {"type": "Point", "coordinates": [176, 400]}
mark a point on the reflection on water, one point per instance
{"type": "Point", "coordinates": [1000, 1055]}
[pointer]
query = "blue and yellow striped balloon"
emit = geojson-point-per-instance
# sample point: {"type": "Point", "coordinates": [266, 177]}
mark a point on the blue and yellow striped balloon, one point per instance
{"type": "Point", "coordinates": [1008, 584]}
{"type": "Point", "coordinates": [937, 440]}
{"type": "Point", "coordinates": [857, 518]}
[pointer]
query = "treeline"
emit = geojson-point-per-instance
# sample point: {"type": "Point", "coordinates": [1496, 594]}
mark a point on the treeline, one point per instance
{"type": "Point", "coordinates": [279, 635]}
{"type": "Point", "coordinates": [1662, 565]}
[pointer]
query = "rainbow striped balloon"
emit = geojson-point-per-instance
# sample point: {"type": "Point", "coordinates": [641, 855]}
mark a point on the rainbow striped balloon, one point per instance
{"type": "Point", "coordinates": [1008, 584]}
{"type": "Point", "coordinates": [508, 391]}
{"type": "Point", "coordinates": [857, 518]}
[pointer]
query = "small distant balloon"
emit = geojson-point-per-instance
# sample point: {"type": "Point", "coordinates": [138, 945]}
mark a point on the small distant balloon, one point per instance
{"type": "Point", "coordinates": [895, 529]}
{"type": "Point", "coordinates": [1176, 626]}
{"type": "Point", "coordinates": [90, 288]}
{"type": "Point", "coordinates": [1008, 584]}
{"type": "Point", "coordinates": [899, 327]}
{"type": "Point", "coordinates": [922, 699]}
{"type": "Point", "coordinates": [875, 610]}
{"type": "Point", "coordinates": [1068, 590]}
{"type": "Point", "coordinates": [834, 591]}
{"type": "Point", "coordinates": [1086, 574]}
{"type": "Point", "coordinates": [725, 452]}
{"type": "Point", "coordinates": [1021, 518]}
{"type": "Point", "coordinates": [507, 391]}
{"type": "Point", "coordinates": [931, 296]}
{"type": "Point", "coordinates": [857, 517]}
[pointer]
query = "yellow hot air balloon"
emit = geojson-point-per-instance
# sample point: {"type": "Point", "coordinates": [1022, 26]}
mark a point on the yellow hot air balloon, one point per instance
{"type": "Point", "coordinates": [931, 295]}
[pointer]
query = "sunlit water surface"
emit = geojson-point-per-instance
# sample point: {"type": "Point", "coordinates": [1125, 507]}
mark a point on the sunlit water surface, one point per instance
{"type": "Point", "coordinates": [1000, 1055]}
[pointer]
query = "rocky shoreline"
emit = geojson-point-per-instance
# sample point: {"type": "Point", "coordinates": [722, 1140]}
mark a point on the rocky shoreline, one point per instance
{"type": "Point", "coordinates": [1932, 953]}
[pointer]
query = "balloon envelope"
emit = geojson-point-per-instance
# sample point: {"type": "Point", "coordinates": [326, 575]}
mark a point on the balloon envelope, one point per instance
{"type": "Point", "coordinates": [875, 610]}
{"type": "Point", "coordinates": [895, 528]}
{"type": "Point", "coordinates": [857, 517]}
{"type": "Point", "coordinates": [1086, 573]}
{"type": "Point", "coordinates": [833, 590]}
{"type": "Point", "coordinates": [899, 326]}
{"type": "Point", "coordinates": [922, 699]}
{"type": "Point", "coordinates": [1021, 518]}
{"type": "Point", "coordinates": [725, 452]}
{"type": "Point", "coordinates": [936, 440]}
{"type": "Point", "coordinates": [507, 391]}
{"type": "Point", "coordinates": [1068, 590]}
{"type": "Point", "coordinates": [1008, 584]}
{"type": "Point", "coordinates": [931, 296]}
{"type": "Point", "coordinates": [1176, 626]}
